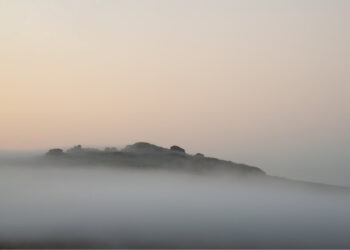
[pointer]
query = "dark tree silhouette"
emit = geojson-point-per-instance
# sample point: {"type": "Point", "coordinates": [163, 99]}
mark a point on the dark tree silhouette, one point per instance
{"type": "Point", "coordinates": [55, 152]}
{"type": "Point", "coordinates": [177, 149]}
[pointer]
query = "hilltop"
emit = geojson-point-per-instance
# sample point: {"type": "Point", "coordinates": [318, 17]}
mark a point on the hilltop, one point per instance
{"type": "Point", "coordinates": [147, 155]}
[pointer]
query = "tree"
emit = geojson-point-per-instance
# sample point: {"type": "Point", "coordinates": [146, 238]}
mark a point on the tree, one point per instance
{"type": "Point", "coordinates": [177, 149]}
{"type": "Point", "coordinates": [55, 152]}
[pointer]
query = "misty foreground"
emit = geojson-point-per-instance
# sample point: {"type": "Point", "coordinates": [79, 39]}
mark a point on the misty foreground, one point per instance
{"type": "Point", "coordinates": [145, 196]}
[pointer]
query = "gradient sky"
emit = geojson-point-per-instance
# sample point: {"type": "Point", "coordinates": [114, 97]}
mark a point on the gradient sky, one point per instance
{"type": "Point", "coordinates": [260, 82]}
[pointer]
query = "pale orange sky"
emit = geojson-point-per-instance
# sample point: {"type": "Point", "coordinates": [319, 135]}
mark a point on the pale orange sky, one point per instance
{"type": "Point", "coordinates": [262, 82]}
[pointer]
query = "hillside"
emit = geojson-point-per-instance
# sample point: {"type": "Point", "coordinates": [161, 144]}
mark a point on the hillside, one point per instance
{"type": "Point", "coordinates": [147, 155]}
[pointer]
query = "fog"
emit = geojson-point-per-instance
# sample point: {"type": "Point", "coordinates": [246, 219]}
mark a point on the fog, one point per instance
{"type": "Point", "coordinates": [96, 206]}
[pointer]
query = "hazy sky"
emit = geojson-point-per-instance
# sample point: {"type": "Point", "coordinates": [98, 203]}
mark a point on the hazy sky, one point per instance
{"type": "Point", "coordinates": [260, 82]}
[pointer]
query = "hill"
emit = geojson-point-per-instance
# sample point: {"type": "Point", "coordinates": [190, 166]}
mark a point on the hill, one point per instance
{"type": "Point", "coordinates": [146, 155]}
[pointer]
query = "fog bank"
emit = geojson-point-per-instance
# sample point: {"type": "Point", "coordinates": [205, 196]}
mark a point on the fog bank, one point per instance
{"type": "Point", "coordinates": [104, 207]}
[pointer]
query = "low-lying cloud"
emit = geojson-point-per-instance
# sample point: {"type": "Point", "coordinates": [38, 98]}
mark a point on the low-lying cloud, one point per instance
{"type": "Point", "coordinates": [104, 207]}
